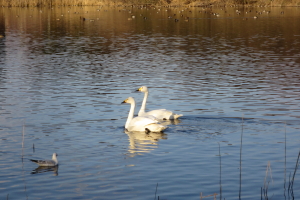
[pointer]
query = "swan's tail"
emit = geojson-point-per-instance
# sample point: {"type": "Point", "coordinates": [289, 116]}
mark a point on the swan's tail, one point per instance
{"type": "Point", "coordinates": [177, 115]}
{"type": "Point", "coordinates": [155, 128]}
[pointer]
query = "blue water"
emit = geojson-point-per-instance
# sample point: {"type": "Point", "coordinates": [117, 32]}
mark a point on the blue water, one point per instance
{"type": "Point", "coordinates": [236, 82]}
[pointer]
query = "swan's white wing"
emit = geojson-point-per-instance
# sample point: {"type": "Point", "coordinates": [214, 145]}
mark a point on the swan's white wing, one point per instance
{"type": "Point", "coordinates": [163, 114]}
{"type": "Point", "coordinates": [151, 117]}
{"type": "Point", "coordinates": [143, 123]}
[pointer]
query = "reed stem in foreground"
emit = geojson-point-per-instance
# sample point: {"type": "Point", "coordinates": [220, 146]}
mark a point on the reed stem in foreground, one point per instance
{"type": "Point", "coordinates": [241, 147]}
{"type": "Point", "coordinates": [220, 171]}
{"type": "Point", "coordinates": [295, 170]}
{"type": "Point", "coordinates": [23, 135]}
{"type": "Point", "coordinates": [156, 191]}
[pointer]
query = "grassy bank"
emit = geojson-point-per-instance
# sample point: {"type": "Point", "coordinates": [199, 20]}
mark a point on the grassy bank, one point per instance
{"type": "Point", "coordinates": [47, 3]}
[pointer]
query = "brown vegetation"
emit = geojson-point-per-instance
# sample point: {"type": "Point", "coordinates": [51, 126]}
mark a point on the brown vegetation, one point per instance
{"type": "Point", "coordinates": [43, 3]}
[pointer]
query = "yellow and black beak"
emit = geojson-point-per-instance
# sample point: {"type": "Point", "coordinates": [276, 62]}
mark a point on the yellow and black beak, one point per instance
{"type": "Point", "coordinates": [125, 101]}
{"type": "Point", "coordinates": [138, 90]}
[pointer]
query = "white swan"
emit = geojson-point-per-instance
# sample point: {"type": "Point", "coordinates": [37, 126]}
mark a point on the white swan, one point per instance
{"type": "Point", "coordinates": [145, 124]}
{"type": "Point", "coordinates": [159, 114]}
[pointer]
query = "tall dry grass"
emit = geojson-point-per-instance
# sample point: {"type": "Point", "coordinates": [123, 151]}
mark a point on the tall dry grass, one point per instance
{"type": "Point", "coordinates": [43, 3]}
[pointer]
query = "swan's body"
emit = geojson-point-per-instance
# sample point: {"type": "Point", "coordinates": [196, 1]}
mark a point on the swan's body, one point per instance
{"type": "Point", "coordinates": [47, 163]}
{"type": "Point", "coordinates": [140, 123]}
{"type": "Point", "coordinates": [160, 113]}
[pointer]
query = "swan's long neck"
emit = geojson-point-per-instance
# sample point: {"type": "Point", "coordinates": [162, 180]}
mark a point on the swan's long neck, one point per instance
{"type": "Point", "coordinates": [130, 115]}
{"type": "Point", "coordinates": [143, 107]}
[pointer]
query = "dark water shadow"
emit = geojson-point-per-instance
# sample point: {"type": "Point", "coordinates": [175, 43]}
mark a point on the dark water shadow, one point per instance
{"type": "Point", "coordinates": [41, 169]}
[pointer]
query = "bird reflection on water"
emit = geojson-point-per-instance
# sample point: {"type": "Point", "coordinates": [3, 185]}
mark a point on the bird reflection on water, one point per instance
{"type": "Point", "coordinates": [171, 121]}
{"type": "Point", "coordinates": [42, 169]}
{"type": "Point", "coordinates": [142, 142]}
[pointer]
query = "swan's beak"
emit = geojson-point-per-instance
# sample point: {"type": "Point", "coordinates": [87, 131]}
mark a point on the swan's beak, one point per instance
{"type": "Point", "coordinates": [138, 90]}
{"type": "Point", "coordinates": [124, 101]}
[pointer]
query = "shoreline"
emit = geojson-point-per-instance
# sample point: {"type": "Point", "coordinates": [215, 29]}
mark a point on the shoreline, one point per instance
{"type": "Point", "coordinates": [152, 3]}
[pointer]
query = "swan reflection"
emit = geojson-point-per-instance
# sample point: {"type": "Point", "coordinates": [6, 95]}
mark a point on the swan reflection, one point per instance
{"type": "Point", "coordinates": [140, 142]}
{"type": "Point", "coordinates": [170, 121]}
{"type": "Point", "coordinates": [42, 169]}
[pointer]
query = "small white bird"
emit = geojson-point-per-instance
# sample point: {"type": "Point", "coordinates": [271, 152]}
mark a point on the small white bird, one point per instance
{"type": "Point", "coordinates": [47, 163]}
{"type": "Point", "coordinates": [161, 114]}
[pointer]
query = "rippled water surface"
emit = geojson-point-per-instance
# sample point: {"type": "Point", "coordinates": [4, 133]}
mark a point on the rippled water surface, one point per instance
{"type": "Point", "coordinates": [236, 79]}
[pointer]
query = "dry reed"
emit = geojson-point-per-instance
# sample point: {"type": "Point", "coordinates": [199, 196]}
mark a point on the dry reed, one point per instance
{"type": "Point", "coordinates": [156, 191]}
{"type": "Point", "coordinates": [220, 172]}
{"type": "Point", "coordinates": [241, 147]}
{"type": "Point", "coordinates": [291, 182]}
{"type": "Point", "coordinates": [23, 135]}
{"type": "Point", "coordinates": [264, 190]}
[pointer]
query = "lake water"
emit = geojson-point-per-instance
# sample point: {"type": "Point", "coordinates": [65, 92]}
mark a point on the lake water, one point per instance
{"type": "Point", "coordinates": [235, 78]}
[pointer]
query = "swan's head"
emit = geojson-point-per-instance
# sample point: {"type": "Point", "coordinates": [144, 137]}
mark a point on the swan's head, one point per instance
{"type": "Point", "coordinates": [129, 100]}
{"type": "Point", "coordinates": [143, 89]}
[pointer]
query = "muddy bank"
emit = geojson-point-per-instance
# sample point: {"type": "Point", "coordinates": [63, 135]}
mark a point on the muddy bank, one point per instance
{"type": "Point", "coordinates": [196, 3]}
